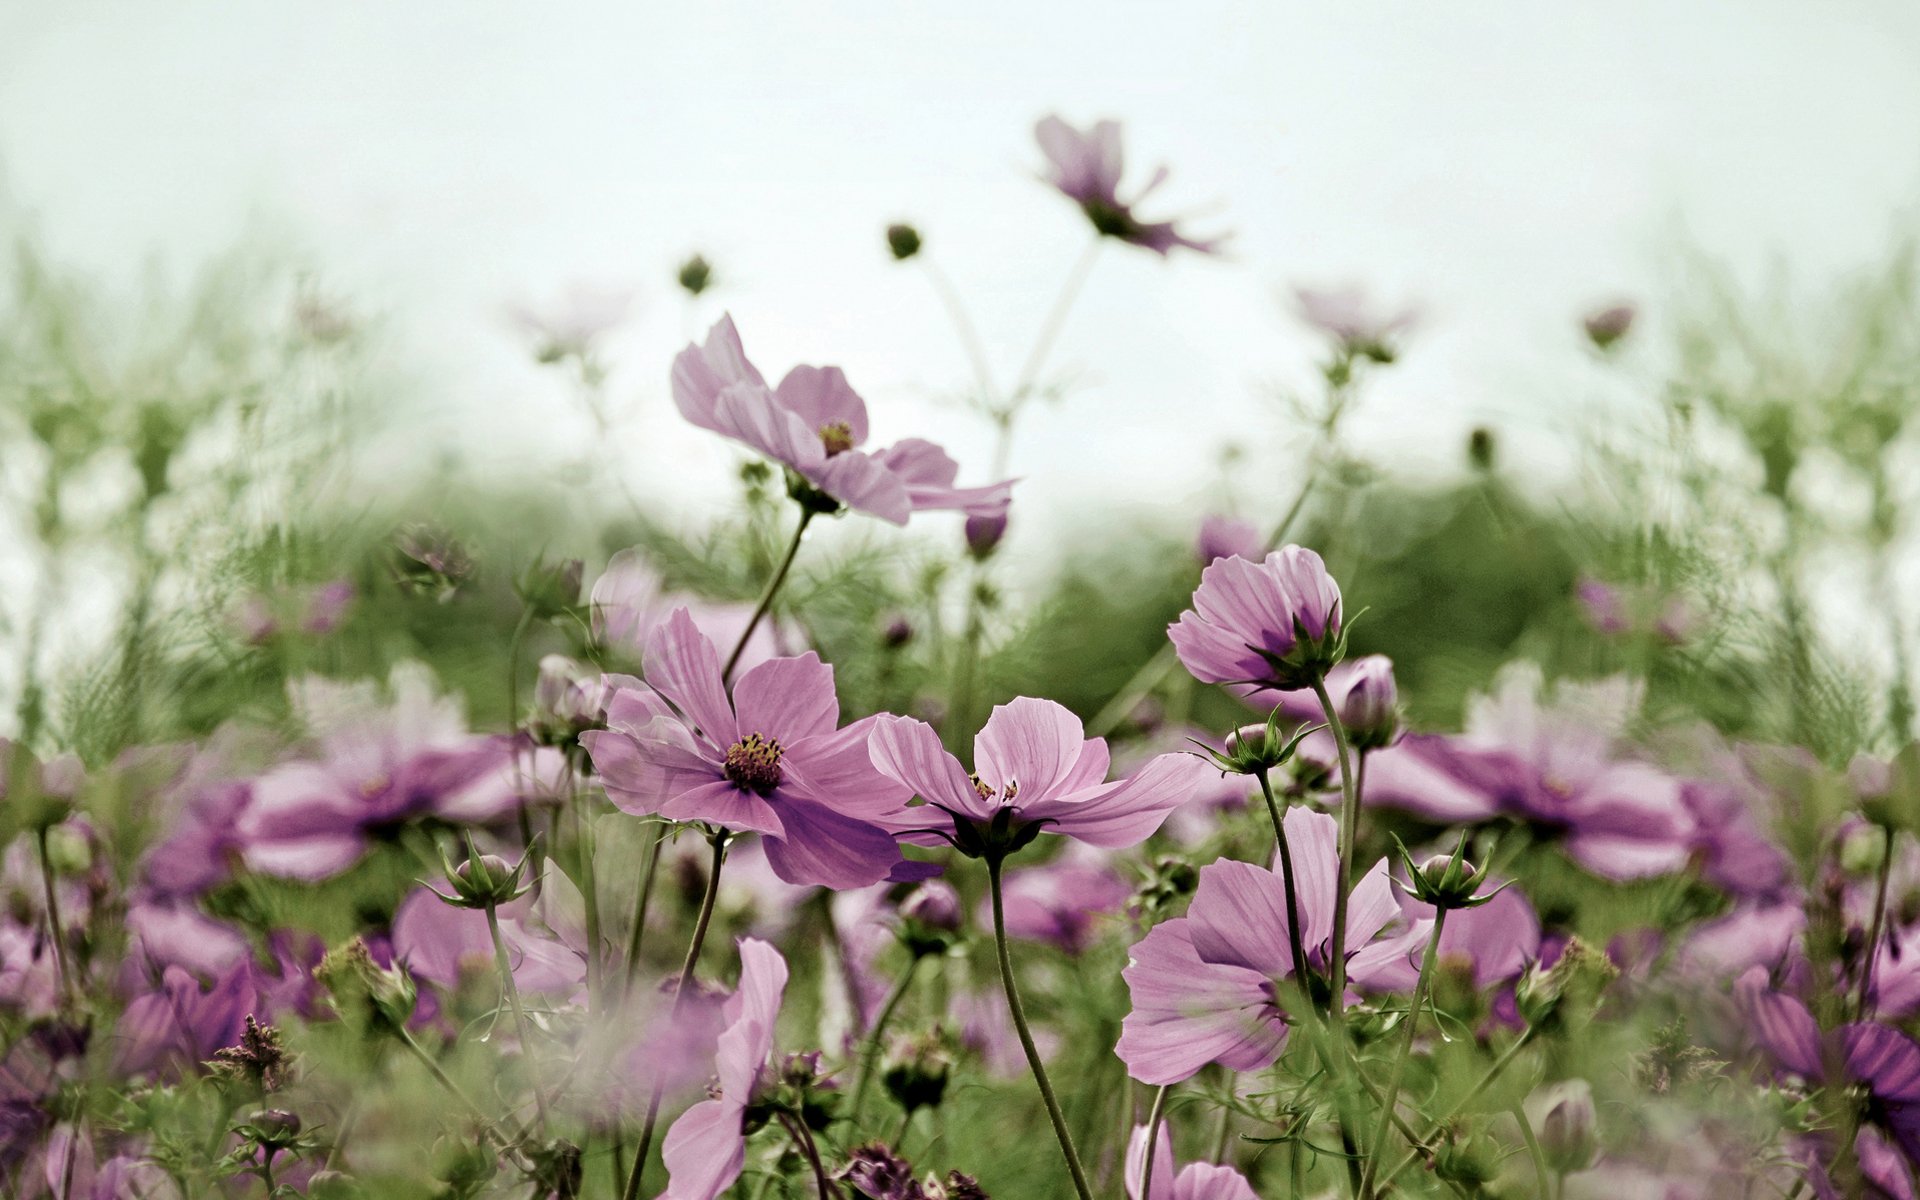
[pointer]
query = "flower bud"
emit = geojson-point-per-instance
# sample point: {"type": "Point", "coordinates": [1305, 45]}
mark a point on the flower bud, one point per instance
{"type": "Point", "coordinates": [1566, 1124]}
{"type": "Point", "coordinates": [568, 700]}
{"type": "Point", "coordinates": [915, 1070]}
{"type": "Point", "coordinates": [955, 1186]}
{"type": "Point", "coordinates": [363, 991]}
{"type": "Point", "coordinates": [903, 241]}
{"type": "Point", "coordinates": [551, 589]}
{"type": "Point", "coordinates": [1567, 993]}
{"type": "Point", "coordinates": [429, 561]}
{"type": "Point", "coordinates": [1257, 749]}
{"type": "Point", "coordinates": [984, 533]}
{"type": "Point", "coordinates": [876, 1172]}
{"type": "Point", "coordinates": [1468, 1158]}
{"type": "Point", "coordinates": [485, 880]}
{"type": "Point", "coordinates": [695, 275]}
{"type": "Point", "coordinates": [1482, 448]}
{"type": "Point", "coordinates": [897, 632]}
{"type": "Point", "coordinates": [1371, 708]}
{"type": "Point", "coordinates": [274, 1127]}
{"type": "Point", "coordinates": [1608, 325]}
{"type": "Point", "coordinates": [933, 904]}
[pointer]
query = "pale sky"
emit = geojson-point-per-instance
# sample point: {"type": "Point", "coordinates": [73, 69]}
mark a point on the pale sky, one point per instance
{"type": "Point", "coordinates": [1507, 163]}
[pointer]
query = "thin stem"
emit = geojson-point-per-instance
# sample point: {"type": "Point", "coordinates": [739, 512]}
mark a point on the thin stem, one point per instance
{"type": "Point", "coordinates": [1349, 825]}
{"type": "Point", "coordinates": [871, 1053]}
{"type": "Point", "coordinates": [1861, 1000]}
{"type": "Point", "coordinates": [803, 1138]}
{"type": "Point", "coordinates": [1398, 1073]}
{"type": "Point", "coordinates": [513, 720]}
{"type": "Point", "coordinates": [1440, 1124]}
{"type": "Point", "coordinates": [453, 1089]}
{"type": "Point", "coordinates": [519, 1011]}
{"type": "Point", "coordinates": [963, 325]}
{"type": "Point", "coordinates": [1050, 329]}
{"type": "Point", "coordinates": [1541, 1179]}
{"type": "Point", "coordinates": [766, 596]}
{"type": "Point", "coordinates": [589, 890]}
{"type": "Point", "coordinates": [719, 840]}
{"type": "Point", "coordinates": [1298, 950]}
{"type": "Point", "coordinates": [1155, 1116]}
{"type": "Point", "coordinates": [1026, 1036]}
{"type": "Point", "coordinates": [641, 901]}
{"type": "Point", "coordinates": [56, 930]}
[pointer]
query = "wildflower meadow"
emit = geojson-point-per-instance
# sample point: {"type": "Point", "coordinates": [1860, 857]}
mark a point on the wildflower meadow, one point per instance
{"type": "Point", "coordinates": [1399, 837]}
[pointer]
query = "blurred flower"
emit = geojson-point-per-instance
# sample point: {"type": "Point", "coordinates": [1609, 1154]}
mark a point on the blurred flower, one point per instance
{"type": "Point", "coordinates": [1275, 622]}
{"type": "Point", "coordinates": [1227, 537]}
{"type": "Point", "coordinates": [1034, 771]}
{"type": "Point", "coordinates": [1087, 165]}
{"type": "Point", "coordinates": [695, 275]}
{"type": "Point", "coordinates": [1563, 1113]}
{"type": "Point", "coordinates": [568, 326]}
{"type": "Point", "coordinates": [984, 532]}
{"type": "Point", "coordinates": [1062, 902]}
{"type": "Point", "coordinates": [629, 601]}
{"type": "Point", "coordinates": [185, 1022]}
{"type": "Point", "coordinates": [1199, 1181]}
{"type": "Point", "coordinates": [1350, 317]}
{"type": "Point", "coordinates": [436, 941]}
{"type": "Point", "coordinates": [814, 424]}
{"type": "Point", "coordinates": [1606, 326]}
{"type": "Point", "coordinates": [1202, 985]}
{"type": "Point", "coordinates": [706, 1148]}
{"type": "Point", "coordinates": [429, 560]}
{"type": "Point", "coordinates": [768, 760]}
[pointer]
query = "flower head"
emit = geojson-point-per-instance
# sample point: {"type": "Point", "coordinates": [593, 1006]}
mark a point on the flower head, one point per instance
{"type": "Point", "coordinates": [706, 1148]}
{"type": "Point", "coordinates": [1034, 770]}
{"type": "Point", "coordinates": [767, 759]}
{"type": "Point", "coordinates": [1275, 623]}
{"type": "Point", "coordinates": [1086, 166]}
{"type": "Point", "coordinates": [1197, 1181]}
{"type": "Point", "coordinates": [1358, 327]}
{"type": "Point", "coordinates": [815, 424]}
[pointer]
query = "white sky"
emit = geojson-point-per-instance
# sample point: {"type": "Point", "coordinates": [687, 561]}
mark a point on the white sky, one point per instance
{"type": "Point", "coordinates": [1505, 166]}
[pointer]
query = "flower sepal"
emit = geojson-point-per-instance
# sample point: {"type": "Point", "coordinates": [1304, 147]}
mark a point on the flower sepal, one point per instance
{"type": "Point", "coordinates": [1257, 749]}
{"type": "Point", "coordinates": [1446, 881]}
{"type": "Point", "coordinates": [484, 880]}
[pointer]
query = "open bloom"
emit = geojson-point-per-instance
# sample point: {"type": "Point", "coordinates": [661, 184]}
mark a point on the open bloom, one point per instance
{"type": "Point", "coordinates": [1086, 165]}
{"type": "Point", "coordinates": [1198, 1181]}
{"type": "Point", "coordinates": [1352, 319]}
{"type": "Point", "coordinates": [707, 1147]}
{"type": "Point", "coordinates": [1204, 985]}
{"type": "Point", "coordinates": [768, 759]}
{"type": "Point", "coordinates": [814, 424]}
{"type": "Point", "coordinates": [1034, 770]}
{"type": "Point", "coordinates": [1274, 623]}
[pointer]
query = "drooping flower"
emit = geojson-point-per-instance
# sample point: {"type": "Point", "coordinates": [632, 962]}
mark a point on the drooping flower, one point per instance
{"type": "Point", "coordinates": [378, 766]}
{"type": "Point", "coordinates": [1197, 1181]}
{"type": "Point", "coordinates": [1274, 623]}
{"type": "Point", "coordinates": [706, 1148]}
{"type": "Point", "coordinates": [1204, 985]}
{"type": "Point", "coordinates": [1034, 771]}
{"type": "Point", "coordinates": [630, 600]}
{"type": "Point", "coordinates": [1087, 165]}
{"type": "Point", "coordinates": [814, 423]}
{"type": "Point", "coordinates": [768, 759]}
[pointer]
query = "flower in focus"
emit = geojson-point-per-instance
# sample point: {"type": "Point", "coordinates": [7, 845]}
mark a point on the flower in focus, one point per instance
{"type": "Point", "coordinates": [1198, 1181]}
{"type": "Point", "coordinates": [1203, 985]}
{"type": "Point", "coordinates": [1359, 327]}
{"type": "Point", "coordinates": [706, 1148]}
{"type": "Point", "coordinates": [1274, 623]}
{"type": "Point", "coordinates": [768, 759]}
{"type": "Point", "coordinates": [814, 424]}
{"type": "Point", "coordinates": [1034, 770]}
{"type": "Point", "coordinates": [1086, 167]}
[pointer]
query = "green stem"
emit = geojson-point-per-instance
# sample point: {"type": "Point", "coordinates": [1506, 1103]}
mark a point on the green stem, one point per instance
{"type": "Point", "coordinates": [1050, 329]}
{"type": "Point", "coordinates": [719, 841]}
{"type": "Point", "coordinates": [1398, 1073]}
{"type": "Point", "coordinates": [1349, 826]}
{"type": "Point", "coordinates": [56, 930]}
{"type": "Point", "coordinates": [642, 899]}
{"type": "Point", "coordinates": [1155, 1116]}
{"type": "Point", "coordinates": [1440, 1124]}
{"type": "Point", "coordinates": [1541, 1179]}
{"type": "Point", "coordinates": [519, 1011]}
{"type": "Point", "coordinates": [803, 1138]}
{"type": "Point", "coordinates": [766, 596]}
{"type": "Point", "coordinates": [1026, 1036]}
{"type": "Point", "coordinates": [453, 1089]}
{"type": "Point", "coordinates": [1287, 883]}
{"type": "Point", "coordinates": [871, 1052]}
{"type": "Point", "coordinates": [1873, 929]}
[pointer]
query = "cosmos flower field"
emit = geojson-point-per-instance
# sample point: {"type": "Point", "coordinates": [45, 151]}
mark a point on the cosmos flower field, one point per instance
{"type": "Point", "coordinates": [1397, 839]}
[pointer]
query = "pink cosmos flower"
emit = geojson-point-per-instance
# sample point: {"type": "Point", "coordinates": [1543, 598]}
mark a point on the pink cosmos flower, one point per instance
{"type": "Point", "coordinates": [814, 423]}
{"type": "Point", "coordinates": [1203, 985]}
{"type": "Point", "coordinates": [1062, 903]}
{"type": "Point", "coordinates": [1086, 167]}
{"type": "Point", "coordinates": [1198, 1181]}
{"type": "Point", "coordinates": [706, 1148]}
{"type": "Point", "coordinates": [1351, 317]}
{"type": "Point", "coordinates": [768, 759]}
{"type": "Point", "coordinates": [1274, 623]}
{"type": "Point", "coordinates": [630, 600]}
{"type": "Point", "coordinates": [1226, 537]}
{"type": "Point", "coordinates": [379, 766]}
{"type": "Point", "coordinates": [1034, 770]}
{"type": "Point", "coordinates": [438, 942]}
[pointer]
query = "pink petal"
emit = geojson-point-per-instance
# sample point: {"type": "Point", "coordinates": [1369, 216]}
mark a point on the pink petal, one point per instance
{"type": "Point", "coordinates": [1188, 1013]}
{"type": "Point", "coordinates": [910, 752]}
{"type": "Point", "coordinates": [821, 396]}
{"type": "Point", "coordinates": [1162, 1184]}
{"type": "Point", "coordinates": [705, 1150]}
{"type": "Point", "coordinates": [1035, 742]}
{"type": "Point", "coordinates": [1239, 918]}
{"type": "Point", "coordinates": [1128, 812]}
{"type": "Point", "coordinates": [823, 848]}
{"type": "Point", "coordinates": [683, 666]}
{"type": "Point", "coordinates": [787, 699]}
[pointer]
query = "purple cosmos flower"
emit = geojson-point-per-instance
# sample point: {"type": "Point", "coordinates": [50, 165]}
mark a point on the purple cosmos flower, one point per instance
{"type": "Point", "coordinates": [814, 423]}
{"type": "Point", "coordinates": [1351, 318]}
{"type": "Point", "coordinates": [1203, 985]}
{"type": "Point", "coordinates": [439, 942]}
{"type": "Point", "coordinates": [1552, 766]}
{"type": "Point", "coordinates": [1274, 623]}
{"type": "Point", "coordinates": [629, 601]}
{"type": "Point", "coordinates": [1198, 1181]}
{"type": "Point", "coordinates": [1062, 903]}
{"type": "Point", "coordinates": [1877, 1059]}
{"type": "Point", "coordinates": [378, 767]}
{"type": "Point", "coordinates": [182, 1021]}
{"type": "Point", "coordinates": [1034, 770]}
{"type": "Point", "coordinates": [707, 1147]}
{"type": "Point", "coordinates": [766, 760]}
{"type": "Point", "coordinates": [1087, 166]}
{"type": "Point", "coordinates": [1227, 537]}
